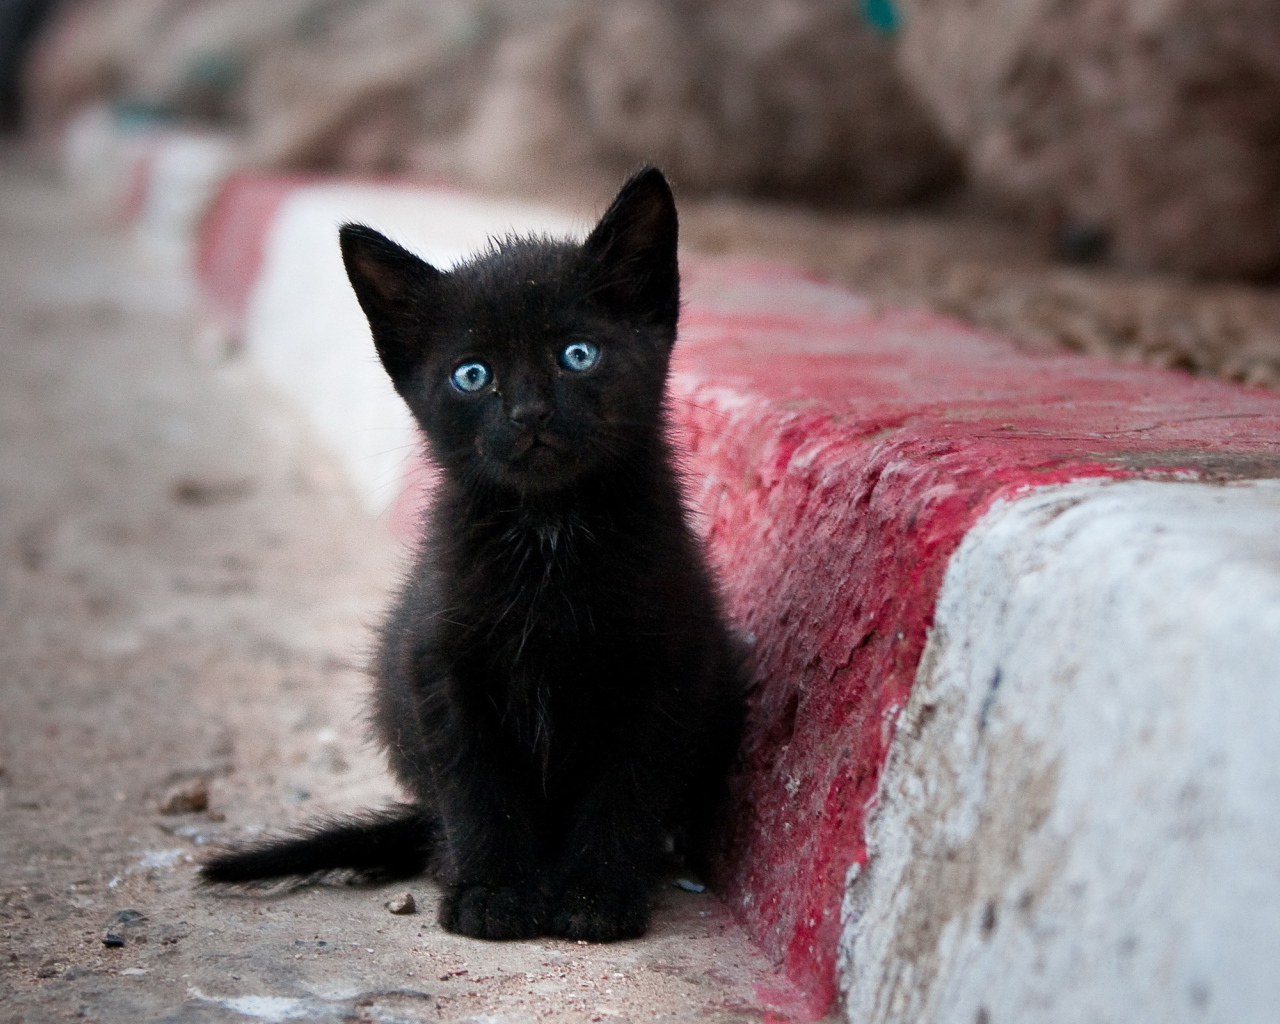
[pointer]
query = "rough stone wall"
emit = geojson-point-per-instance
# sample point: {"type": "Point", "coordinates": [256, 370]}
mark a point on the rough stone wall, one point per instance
{"type": "Point", "coordinates": [786, 98]}
{"type": "Point", "coordinates": [186, 56]}
{"type": "Point", "coordinates": [1156, 122]}
{"type": "Point", "coordinates": [790, 98]}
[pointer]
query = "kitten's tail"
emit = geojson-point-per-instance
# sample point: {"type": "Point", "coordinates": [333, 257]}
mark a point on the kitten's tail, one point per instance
{"type": "Point", "coordinates": [392, 843]}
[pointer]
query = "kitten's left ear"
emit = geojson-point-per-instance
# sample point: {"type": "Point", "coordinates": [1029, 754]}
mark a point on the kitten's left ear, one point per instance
{"type": "Point", "coordinates": [394, 287]}
{"type": "Point", "coordinates": [632, 251]}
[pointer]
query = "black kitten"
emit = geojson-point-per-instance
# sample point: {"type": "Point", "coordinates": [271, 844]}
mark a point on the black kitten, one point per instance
{"type": "Point", "coordinates": [556, 688]}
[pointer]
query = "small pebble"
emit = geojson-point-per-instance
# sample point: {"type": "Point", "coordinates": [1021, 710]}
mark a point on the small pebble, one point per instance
{"type": "Point", "coordinates": [186, 798]}
{"type": "Point", "coordinates": [122, 926]}
{"type": "Point", "coordinates": [210, 490]}
{"type": "Point", "coordinates": [403, 904]}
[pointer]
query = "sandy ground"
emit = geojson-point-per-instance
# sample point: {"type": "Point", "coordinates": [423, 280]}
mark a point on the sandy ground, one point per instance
{"type": "Point", "coordinates": [188, 586]}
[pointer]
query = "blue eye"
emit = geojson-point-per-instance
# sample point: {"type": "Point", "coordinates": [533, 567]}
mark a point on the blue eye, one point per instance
{"type": "Point", "coordinates": [471, 377]}
{"type": "Point", "coordinates": [581, 355]}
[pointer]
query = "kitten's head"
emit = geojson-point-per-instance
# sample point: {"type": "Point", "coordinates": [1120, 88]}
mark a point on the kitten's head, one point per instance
{"type": "Point", "coordinates": [538, 362]}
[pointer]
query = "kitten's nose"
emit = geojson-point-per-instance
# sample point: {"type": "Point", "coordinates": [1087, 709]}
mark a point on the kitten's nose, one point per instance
{"type": "Point", "coordinates": [532, 412]}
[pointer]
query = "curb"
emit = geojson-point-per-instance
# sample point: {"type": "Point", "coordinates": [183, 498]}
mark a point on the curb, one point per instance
{"type": "Point", "coordinates": [1076, 830]}
{"type": "Point", "coordinates": [158, 179]}
{"type": "Point", "coordinates": [845, 465]}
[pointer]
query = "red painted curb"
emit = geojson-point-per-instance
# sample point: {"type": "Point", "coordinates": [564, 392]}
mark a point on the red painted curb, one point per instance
{"type": "Point", "coordinates": [836, 458]}
{"type": "Point", "coordinates": [233, 236]}
{"type": "Point", "coordinates": [232, 239]}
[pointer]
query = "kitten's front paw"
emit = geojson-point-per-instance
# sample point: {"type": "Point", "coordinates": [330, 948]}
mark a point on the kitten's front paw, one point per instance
{"type": "Point", "coordinates": [601, 913]}
{"type": "Point", "coordinates": [487, 911]}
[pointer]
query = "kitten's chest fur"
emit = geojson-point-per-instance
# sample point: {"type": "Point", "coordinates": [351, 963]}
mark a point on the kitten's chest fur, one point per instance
{"type": "Point", "coordinates": [532, 586]}
{"type": "Point", "coordinates": [549, 623]}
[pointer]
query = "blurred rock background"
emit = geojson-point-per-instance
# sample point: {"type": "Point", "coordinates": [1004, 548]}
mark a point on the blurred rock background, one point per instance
{"type": "Point", "coordinates": [787, 98]}
{"type": "Point", "coordinates": [1149, 125]}
{"type": "Point", "coordinates": [1097, 175]}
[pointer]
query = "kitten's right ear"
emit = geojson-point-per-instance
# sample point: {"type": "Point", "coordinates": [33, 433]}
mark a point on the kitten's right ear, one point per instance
{"type": "Point", "coordinates": [393, 287]}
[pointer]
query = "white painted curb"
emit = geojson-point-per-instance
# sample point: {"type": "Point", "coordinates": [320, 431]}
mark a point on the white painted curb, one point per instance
{"type": "Point", "coordinates": [1080, 820]}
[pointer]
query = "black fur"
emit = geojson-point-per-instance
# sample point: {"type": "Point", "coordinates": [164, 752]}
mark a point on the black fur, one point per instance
{"type": "Point", "coordinates": [385, 845]}
{"type": "Point", "coordinates": [556, 688]}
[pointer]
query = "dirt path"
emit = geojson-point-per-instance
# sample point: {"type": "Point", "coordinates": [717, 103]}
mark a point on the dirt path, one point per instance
{"type": "Point", "coordinates": [187, 590]}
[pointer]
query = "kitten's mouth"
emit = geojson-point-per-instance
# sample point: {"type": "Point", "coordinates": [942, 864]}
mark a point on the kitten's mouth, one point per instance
{"type": "Point", "coordinates": [538, 443]}
{"type": "Point", "coordinates": [536, 459]}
